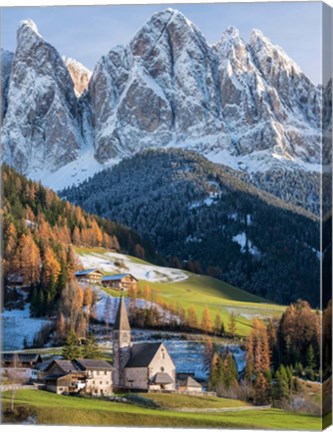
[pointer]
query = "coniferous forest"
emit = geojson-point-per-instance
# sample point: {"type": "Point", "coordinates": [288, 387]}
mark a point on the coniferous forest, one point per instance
{"type": "Point", "coordinates": [40, 231]}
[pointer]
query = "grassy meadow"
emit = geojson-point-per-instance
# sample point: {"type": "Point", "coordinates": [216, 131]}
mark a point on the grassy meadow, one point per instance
{"type": "Point", "coordinates": [49, 408]}
{"type": "Point", "coordinates": [200, 291]}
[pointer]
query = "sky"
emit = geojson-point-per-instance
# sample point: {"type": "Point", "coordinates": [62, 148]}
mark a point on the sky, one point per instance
{"type": "Point", "coordinates": [88, 32]}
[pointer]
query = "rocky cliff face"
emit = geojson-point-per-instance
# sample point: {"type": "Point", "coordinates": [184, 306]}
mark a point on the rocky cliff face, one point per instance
{"type": "Point", "coordinates": [245, 105]}
{"type": "Point", "coordinates": [231, 99]}
{"type": "Point", "coordinates": [79, 74]}
{"type": "Point", "coordinates": [6, 66]}
{"type": "Point", "coordinates": [40, 129]}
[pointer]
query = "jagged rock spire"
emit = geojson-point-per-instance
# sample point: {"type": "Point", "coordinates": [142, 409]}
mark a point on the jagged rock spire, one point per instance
{"type": "Point", "coordinates": [121, 322]}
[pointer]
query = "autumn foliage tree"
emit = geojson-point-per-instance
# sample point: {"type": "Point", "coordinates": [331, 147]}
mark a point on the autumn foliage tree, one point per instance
{"type": "Point", "coordinates": [258, 352]}
{"type": "Point", "coordinates": [40, 232]}
{"type": "Point", "coordinates": [206, 322]}
{"type": "Point", "coordinates": [29, 260]}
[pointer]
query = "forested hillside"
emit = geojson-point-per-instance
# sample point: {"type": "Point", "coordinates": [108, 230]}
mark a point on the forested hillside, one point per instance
{"type": "Point", "coordinates": [204, 218]}
{"type": "Point", "coordinates": [39, 233]}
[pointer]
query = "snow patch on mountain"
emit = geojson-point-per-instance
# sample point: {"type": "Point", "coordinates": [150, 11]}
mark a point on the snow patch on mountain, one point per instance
{"type": "Point", "coordinates": [113, 262]}
{"type": "Point", "coordinates": [245, 243]}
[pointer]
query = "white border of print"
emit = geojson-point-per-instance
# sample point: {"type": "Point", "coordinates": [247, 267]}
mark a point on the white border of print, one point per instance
{"type": "Point", "coordinates": [17, 3]}
{"type": "Point", "coordinates": [13, 3]}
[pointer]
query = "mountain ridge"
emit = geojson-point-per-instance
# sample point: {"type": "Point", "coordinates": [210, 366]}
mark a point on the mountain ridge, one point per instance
{"type": "Point", "coordinates": [245, 105]}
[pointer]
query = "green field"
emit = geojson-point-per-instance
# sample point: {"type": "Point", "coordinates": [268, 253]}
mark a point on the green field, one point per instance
{"type": "Point", "coordinates": [175, 401]}
{"type": "Point", "coordinates": [199, 291]}
{"type": "Point", "coordinates": [55, 409]}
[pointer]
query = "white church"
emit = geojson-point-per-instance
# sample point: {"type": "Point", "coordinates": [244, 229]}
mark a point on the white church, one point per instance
{"type": "Point", "coordinates": [140, 366]}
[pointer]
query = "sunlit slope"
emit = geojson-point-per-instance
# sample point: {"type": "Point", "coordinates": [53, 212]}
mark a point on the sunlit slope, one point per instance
{"type": "Point", "coordinates": [185, 289]}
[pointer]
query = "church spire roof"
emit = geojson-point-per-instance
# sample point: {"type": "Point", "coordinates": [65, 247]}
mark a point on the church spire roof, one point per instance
{"type": "Point", "coordinates": [121, 322]}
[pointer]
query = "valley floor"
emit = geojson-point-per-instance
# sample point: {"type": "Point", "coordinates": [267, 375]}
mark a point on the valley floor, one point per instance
{"type": "Point", "coordinates": [48, 408]}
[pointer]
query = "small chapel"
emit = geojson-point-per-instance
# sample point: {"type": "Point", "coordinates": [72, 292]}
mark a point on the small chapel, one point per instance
{"type": "Point", "coordinates": [140, 366]}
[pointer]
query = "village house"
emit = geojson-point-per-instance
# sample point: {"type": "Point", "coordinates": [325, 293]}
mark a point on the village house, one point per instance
{"type": "Point", "coordinates": [99, 373]}
{"type": "Point", "coordinates": [121, 282]}
{"type": "Point", "coordinates": [139, 366]}
{"type": "Point", "coordinates": [189, 385]}
{"type": "Point", "coordinates": [93, 377]}
{"type": "Point", "coordinates": [89, 276]}
{"type": "Point", "coordinates": [20, 367]}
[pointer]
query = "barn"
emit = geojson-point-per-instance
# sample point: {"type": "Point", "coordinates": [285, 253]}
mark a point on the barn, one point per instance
{"type": "Point", "coordinates": [89, 276]}
{"type": "Point", "coordinates": [121, 282]}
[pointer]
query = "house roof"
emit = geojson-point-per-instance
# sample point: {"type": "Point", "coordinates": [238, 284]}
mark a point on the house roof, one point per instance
{"type": "Point", "coordinates": [43, 365]}
{"type": "Point", "coordinates": [22, 358]}
{"type": "Point", "coordinates": [163, 378]}
{"type": "Point", "coordinates": [92, 364]}
{"type": "Point", "coordinates": [86, 272]}
{"type": "Point", "coordinates": [116, 277]}
{"type": "Point", "coordinates": [52, 377]}
{"type": "Point", "coordinates": [142, 354]}
{"type": "Point", "coordinates": [191, 382]}
{"type": "Point", "coordinates": [121, 321]}
{"type": "Point", "coordinates": [65, 365]}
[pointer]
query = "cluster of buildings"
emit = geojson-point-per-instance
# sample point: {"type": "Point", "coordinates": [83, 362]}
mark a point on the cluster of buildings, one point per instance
{"type": "Point", "coordinates": [121, 282]}
{"type": "Point", "coordinates": [136, 366]}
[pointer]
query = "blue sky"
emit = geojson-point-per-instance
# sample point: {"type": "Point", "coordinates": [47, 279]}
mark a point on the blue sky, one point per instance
{"type": "Point", "coordinates": [87, 32]}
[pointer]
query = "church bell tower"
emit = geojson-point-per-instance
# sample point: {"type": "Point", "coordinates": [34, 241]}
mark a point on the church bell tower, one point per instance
{"type": "Point", "coordinates": [121, 343]}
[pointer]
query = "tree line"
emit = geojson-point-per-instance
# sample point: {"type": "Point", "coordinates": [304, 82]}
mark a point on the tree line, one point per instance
{"type": "Point", "coordinates": [279, 354]}
{"type": "Point", "coordinates": [40, 232]}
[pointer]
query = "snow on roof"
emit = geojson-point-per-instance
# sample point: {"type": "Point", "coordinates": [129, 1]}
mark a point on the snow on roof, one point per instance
{"type": "Point", "coordinates": [86, 272]}
{"type": "Point", "coordinates": [115, 277]}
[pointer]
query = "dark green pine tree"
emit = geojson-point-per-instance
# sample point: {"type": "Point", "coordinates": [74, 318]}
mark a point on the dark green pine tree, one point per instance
{"type": "Point", "coordinates": [90, 349]}
{"type": "Point", "coordinates": [71, 349]}
{"type": "Point", "coordinates": [281, 385]}
{"type": "Point", "coordinates": [310, 363]}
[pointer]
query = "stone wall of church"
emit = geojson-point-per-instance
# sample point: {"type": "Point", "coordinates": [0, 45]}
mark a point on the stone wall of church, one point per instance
{"type": "Point", "coordinates": [162, 362]}
{"type": "Point", "coordinates": [136, 378]}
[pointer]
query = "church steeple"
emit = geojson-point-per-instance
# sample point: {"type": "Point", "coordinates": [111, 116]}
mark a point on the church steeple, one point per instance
{"type": "Point", "coordinates": [121, 336]}
{"type": "Point", "coordinates": [121, 322]}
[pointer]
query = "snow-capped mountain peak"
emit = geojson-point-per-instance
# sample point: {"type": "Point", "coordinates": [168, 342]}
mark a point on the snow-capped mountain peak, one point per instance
{"type": "Point", "coordinates": [269, 55]}
{"type": "Point", "coordinates": [28, 25]}
{"type": "Point", "coordinates": [41, 127]}
{"type": "Point", "coordinates": [246, 105]}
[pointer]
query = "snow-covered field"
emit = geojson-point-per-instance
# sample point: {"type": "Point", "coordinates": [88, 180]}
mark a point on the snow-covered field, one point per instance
{"type": "Point", "coordinates": [16, 325]}
{"type": "Point", "coordinates": [107, 306]}
{"type": "Point", "coordinates": [189, 356]}
{"type": "Point", "coordinates": [112, 262]}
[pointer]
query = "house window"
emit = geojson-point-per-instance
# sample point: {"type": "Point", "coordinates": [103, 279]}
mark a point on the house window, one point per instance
{"type": "Point", "coordinates": [101, 382]}
{"type": "Point", "coordinates": [107, 382]}
{"type": "Point", "coordinates": [60, 389]}
{"type": "Point", "coordinates": [162, 369]}
{"type": "Point", "coordinates": [93, 382]}
{"type": "Point", "coordinates": [96, 391]}
{"type": "Point", "coordinates": [105, 372]}
{"type": "Point", "coordinates": [97, 373]}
